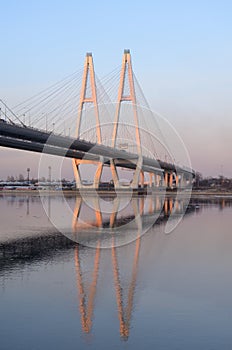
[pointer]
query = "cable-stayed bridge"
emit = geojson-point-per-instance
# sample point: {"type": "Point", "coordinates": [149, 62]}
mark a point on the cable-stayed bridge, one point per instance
{"type": "Point", "coordinates": [111, 126]}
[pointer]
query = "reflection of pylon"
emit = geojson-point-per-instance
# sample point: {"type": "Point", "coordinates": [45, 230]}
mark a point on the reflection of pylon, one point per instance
{"type": "Point", "coordinates": [88, 73]}
{"type": "Point", "coordinates": [79, 224]}
{"type": "Point", "coordinates": [86, 299]}
{"type": "Point", "coordinates": [131, 97]}
{"type": "Point", "coordinates": [86, 302]}
{"type": "Point", "coordinates": [124, 315]}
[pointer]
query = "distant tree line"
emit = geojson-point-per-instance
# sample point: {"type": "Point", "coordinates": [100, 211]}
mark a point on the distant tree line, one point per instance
{"type": "Point", "coordinates": [220, 182]}
{"type": "Point", "coordinates": [22, 178]}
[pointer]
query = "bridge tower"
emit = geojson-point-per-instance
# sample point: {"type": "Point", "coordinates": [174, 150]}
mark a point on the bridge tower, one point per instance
{"type": "Point", "coordinates": [127, 73]}
{"type": "Point", "coordinates": [88, 77]}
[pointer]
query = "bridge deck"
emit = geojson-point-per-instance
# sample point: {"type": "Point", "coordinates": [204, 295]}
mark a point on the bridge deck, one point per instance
{"type": "Point", "coordinates": [34, 140]}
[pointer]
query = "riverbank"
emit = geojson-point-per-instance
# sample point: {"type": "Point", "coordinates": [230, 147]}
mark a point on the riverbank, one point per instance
{"type": "Point", "coordinates": [194, 193]}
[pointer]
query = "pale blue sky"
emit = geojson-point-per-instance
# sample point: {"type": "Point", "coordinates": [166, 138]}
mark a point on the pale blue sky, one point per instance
{"type": "Point", "coordinates": [181, 54]}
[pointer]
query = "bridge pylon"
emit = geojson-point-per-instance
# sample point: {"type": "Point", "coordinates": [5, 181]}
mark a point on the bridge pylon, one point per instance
{"type": "Point", "coordinates": [127, 73]}
{"type": "Point", "coordinates": [88, 77]}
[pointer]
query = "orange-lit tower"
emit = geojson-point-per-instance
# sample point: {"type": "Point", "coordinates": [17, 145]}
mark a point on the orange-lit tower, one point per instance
{"type": "Point", "coordinates": [88, 76]}
{"type": "Point", "coordinates": [127, 73]}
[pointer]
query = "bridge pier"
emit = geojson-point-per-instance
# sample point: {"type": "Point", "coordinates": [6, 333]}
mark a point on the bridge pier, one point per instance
{"type": "Point", "coordinates": [97, 176]}
{"type": "Point", "coordinates": [166, 179]}
{"type": "Point", "coordinates": [170, 185]}
{"type": "Point", "coordinates": [150, 180]}
{"type": "Point", "coordinates": [182, 181]}
{"type": "Point", "coordinates": [141, 179]}
{"type": "Point", "coordinates": [177, 179]}
{"type": "Point", "coordinates": [135, 182]}
{"type": "Point", "coordinates": [155, 180]}
{"type": "Point", "coordinates": [158, 179]}
{"type": "Point", "coordinates": [114, 174]}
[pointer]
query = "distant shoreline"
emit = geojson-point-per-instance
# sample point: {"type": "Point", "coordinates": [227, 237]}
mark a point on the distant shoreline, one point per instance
{"type": "Point", "coordinates": [195, 193]}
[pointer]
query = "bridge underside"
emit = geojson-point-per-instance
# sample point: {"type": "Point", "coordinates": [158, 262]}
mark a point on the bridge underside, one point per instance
{"type": "Point", "coordinates": [29, 139]}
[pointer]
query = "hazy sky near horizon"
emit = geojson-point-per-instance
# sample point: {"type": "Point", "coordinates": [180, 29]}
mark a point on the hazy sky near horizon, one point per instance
{"type": "Point", "coordinates": [181, 53]}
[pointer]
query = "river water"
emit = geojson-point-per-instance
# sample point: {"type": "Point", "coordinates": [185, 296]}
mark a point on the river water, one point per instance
{"type": "Point", "coordinates": [121, 281]}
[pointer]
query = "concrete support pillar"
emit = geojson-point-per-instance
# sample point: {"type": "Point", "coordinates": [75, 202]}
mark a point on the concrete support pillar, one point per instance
{"type": "Point", "coordinates": [138, 176]}
{"type": "Point", "coordinates": [135, 181]}
{"type": "Point", "coordinates": [166, 179]}
{"type": "Point", "coordinates": [142, 179]}
{"type": "Point", "coordinates": [177, 180]}
{"type": "Point", "coordinates": [114, 174]}
{"type": "Point", "coordinates": [76, 171]}
{"type": "Point", "coordinates": [157, 180]}
{"type": "Point", "coordinates": [170, 180]}
{"type": "Point", "coordinates": [183, 181]}
{"type": "Point", "coordinates": [97, 176]}
{"type": "Point", "coordinates": [161, 182]}
{"type": "Point", "coordinates": [151, 180]}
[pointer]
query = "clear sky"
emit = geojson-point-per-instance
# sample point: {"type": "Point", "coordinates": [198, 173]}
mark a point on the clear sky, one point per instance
{"type": "Point", "coordinates": [181, 52]}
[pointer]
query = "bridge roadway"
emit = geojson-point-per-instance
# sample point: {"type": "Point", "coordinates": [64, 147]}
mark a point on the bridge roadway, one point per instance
{"type": "Point", "coordinates": [34, 140]}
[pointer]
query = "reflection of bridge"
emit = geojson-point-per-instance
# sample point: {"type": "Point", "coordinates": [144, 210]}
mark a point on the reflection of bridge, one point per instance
{"type": "Point", "coordinates": [125, 221]}
{"type": "Point", "coordinates": [47, 246]}
{"type": "Point", "coordinates": [86, 299]}
{"type": "Point", "coordinates": [161, 173]}
{"type": "Point", "coordinates": [89, 267]}
{"type": "Point", "coordinates": [94, 231]}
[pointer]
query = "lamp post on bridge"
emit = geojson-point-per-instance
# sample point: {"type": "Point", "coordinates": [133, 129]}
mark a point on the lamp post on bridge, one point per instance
{"type": "Point", "coordinates": [28, 175]}
{"type": "Point", "coordinates": [50, 176]}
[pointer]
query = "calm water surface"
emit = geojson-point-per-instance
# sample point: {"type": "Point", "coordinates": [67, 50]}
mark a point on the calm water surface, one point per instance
{"type": "Point", "coordinates": [161, 291]}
